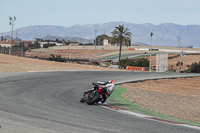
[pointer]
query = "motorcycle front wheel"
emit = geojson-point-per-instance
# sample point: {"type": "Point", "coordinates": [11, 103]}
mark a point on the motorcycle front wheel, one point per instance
{"type": "Point", "coordinates": [92, 98]}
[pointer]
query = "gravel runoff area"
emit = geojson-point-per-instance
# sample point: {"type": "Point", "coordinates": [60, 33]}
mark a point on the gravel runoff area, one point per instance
{"type": "Point", "coordinates": [175, 97]}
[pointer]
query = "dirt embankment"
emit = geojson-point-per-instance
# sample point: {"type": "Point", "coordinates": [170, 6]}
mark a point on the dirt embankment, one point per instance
{"type": "Point", "coordinates": [20, 64]}
{"type": "Point", "coordinates": [174, 97]}
{"type": "Point", "coordinates": [187, 60]}
{"type": "Point", "coordinates": [68, 53]}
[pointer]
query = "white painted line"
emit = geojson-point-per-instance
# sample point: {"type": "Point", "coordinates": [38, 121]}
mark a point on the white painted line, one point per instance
{"type": "Point", "coordinates": [126, 112]}
{"type": "Point", "coordinates": [189, 126]}
{"type": "Point", "coordinates": [133, 113]}
{"type": "Point", "coordinates": [149, 118]}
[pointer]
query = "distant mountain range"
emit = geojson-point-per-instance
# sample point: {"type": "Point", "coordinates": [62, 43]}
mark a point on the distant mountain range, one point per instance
{"type": "Point", "coordinates": [166, 34]}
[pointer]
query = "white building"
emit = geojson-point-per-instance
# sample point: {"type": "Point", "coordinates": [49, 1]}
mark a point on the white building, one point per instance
{"type": "Point", "coordinates": [74, 44]}
{"type": "Point", "coordinates": [4, 44]}
{"type": "Point", "coordinates": [57, 44]}
{"type": "Point", "coordinates": [105, 42]}
{"type": "Point", "coordinates": [7, 43]}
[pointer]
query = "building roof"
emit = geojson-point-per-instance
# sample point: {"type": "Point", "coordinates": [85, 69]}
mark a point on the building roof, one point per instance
{"type": "Point", "coordinates": [8, 42]}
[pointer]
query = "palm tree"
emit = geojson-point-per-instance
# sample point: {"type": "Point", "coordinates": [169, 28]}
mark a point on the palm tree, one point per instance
{"type": "Point", "coordinates": [122, 36]}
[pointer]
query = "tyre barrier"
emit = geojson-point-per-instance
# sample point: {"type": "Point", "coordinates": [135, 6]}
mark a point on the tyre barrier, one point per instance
{"type": "Point", "coordinates": [135, 68]}
{"type": "Point", "coordinates": [131, 49]}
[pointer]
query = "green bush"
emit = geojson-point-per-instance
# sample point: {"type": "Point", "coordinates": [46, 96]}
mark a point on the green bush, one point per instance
{"type": "Point", "coordinates": [140, 62]}
{"type": "Point", "coordinates": [194, 68]}
{"type": "Point", "coordinates": [35, 45]}
{"type": "Point", "coordinates": [49, 45]}
{"type": "Point", "coordinates": [57, 58]}
{"type": "Point", "coordinates": [179, 63]}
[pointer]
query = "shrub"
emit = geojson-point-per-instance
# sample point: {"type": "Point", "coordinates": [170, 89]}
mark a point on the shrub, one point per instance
{"type": "Point", "coordinates": [57, 58]}
{"type": "Point", "coordinates": [49, 45]}
{"type": "Point", "coordinates": [140, 62]}
{"type": "Point", "coordinates": [194, 68]}
{"type": "Point", "coordinates": [126, 62]}
{"type": "Point", "coordinates": [35, 45]}
{"type": "Point", "coordinates": [178, 63]}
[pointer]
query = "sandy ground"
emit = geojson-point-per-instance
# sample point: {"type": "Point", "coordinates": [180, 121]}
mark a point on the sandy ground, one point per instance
{"type": "Point", "coordinates": [21, 64]}
{"type": "Point", "coordinates": [174, 97]}
{"type": "Point", "coordinates": [187, 60]}
{"type": "Point", "coordinates": [68, 53]}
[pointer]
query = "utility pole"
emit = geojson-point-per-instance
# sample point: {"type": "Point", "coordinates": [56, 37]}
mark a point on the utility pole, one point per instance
{"type": "Point", "coordinates": [181, 60]}
{"type": "Point", "coordinates": [11, 22]}
{"type": "Point", "coordinates": [17, 36]}
{"type": "Point", "coordinates": [95, 39]}
{"type": "Point", "coordinates": [2, 38]}
{"type": "Point", "coordinates": [151, 34]}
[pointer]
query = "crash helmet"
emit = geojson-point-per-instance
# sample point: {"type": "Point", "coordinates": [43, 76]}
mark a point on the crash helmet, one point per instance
{"type": "Point", "coordinates": [110, 81]}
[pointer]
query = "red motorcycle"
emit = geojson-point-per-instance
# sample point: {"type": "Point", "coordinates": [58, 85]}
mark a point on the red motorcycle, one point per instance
{"type": "Point", "coordinates": [98, 92]}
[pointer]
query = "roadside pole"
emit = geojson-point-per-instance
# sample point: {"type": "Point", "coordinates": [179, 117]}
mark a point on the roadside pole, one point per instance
{"type": "Point", "coordinates": [181, 61]}
{"type": "Point", "coordinates": [151, 34]}
{"type": "Point", "coordinates": [11, 22]}
{"type": "Point", "coordinates": [95, 39]}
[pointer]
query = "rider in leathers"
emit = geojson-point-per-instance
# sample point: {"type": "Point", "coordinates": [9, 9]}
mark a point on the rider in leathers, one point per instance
{"type": "Point", "coordinates": [108, 88]}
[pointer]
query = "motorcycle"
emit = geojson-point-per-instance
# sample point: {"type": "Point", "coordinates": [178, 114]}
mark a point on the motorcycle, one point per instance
{"type": "Point", "coordinates": [95, 94]}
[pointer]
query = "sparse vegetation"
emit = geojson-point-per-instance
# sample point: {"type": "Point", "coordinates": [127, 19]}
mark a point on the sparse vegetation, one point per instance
{"type": "Point", "coordinates": [194, 68]}
{"type": "Point", "coordinates": [35, 45]}
{"type": "Point", "coordinates": [140, 62]}
{"type": "Point", "coordinates": [49, 45]}
{"type": "Point", "coordinates": [179, 63]}
{"type": "Point", "coordinates": [57, 58]}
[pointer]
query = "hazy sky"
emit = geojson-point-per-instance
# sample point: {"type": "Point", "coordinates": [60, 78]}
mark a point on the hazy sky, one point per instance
{"type": "Point", "coordinates": [72, 12]}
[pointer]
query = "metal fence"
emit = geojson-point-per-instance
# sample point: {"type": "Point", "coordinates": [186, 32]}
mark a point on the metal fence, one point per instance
{"type": "Point", "coordinates": [161, 62]}
{"type": "Point", "coordinates": [17, 51]}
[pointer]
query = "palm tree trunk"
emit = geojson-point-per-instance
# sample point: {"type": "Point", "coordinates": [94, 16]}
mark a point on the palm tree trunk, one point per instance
{"type": "Point", "coordinates": [120, 49]}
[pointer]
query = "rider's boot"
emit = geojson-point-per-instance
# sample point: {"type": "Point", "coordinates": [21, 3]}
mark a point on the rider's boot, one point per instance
{"type": "Point", "coordinates": [82, 100]}
{"type": "Point", "coordinates": [103, 100]}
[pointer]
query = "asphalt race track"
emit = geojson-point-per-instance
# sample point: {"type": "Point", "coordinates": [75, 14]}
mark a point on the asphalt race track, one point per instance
{"type": "Point", "coordinates": [48, 102]}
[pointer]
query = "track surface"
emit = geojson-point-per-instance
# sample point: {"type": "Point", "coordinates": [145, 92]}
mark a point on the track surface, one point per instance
{"type": "Point", "coordinates": [113, 57]}
{"type": "Point", "coordinates": [49, 102]}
